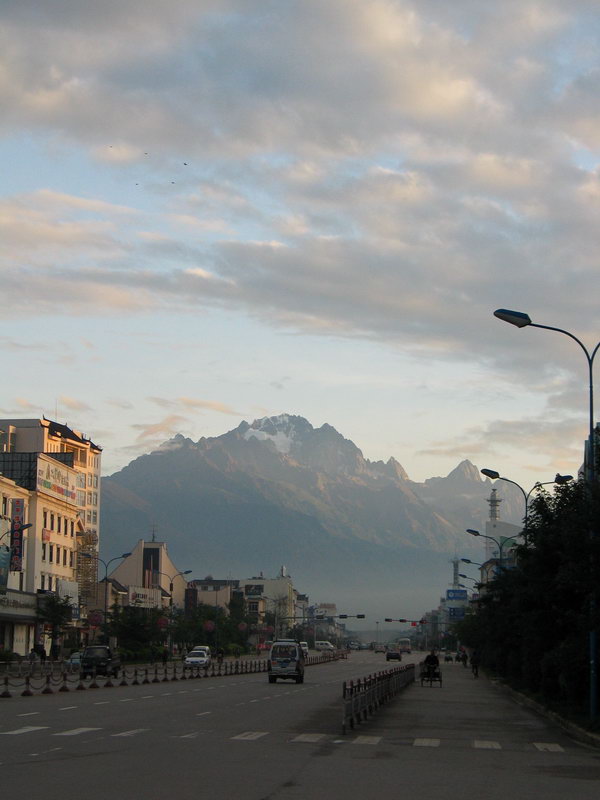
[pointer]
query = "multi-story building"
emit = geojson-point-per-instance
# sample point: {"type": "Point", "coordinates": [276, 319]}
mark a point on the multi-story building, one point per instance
{"type": "Point", "coordinates": [78, 452]}
{"type": "Point", "coordinates": [210, 591]}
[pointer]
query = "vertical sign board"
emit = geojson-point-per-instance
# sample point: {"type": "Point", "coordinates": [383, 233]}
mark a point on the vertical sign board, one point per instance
{"type": "Point", "coordinates": [16, 534]}
{"type": "Point", "coordinates": [4, 567]}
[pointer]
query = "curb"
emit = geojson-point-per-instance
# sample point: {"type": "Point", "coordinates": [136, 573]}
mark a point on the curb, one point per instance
{"type": "Point", "coordinates": [578, 733]}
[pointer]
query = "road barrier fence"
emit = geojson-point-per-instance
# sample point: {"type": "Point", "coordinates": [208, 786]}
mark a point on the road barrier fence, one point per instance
{"type": "Point", "coordinates": [57, 677]}
{"type": "Point", "coordinates": [364, 696]}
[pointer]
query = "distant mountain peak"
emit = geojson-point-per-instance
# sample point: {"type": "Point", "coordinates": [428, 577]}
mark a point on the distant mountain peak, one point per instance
{"type": "Point", "coordinates": [282, 430]}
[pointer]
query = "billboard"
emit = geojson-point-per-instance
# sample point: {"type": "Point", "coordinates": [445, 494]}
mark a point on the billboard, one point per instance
{"type": "Point", "coordinates": [4, 566]}
{"type": "Point", "coordinates": [56, 479]}
{"type": "Point", "coordinates": [456, 594]}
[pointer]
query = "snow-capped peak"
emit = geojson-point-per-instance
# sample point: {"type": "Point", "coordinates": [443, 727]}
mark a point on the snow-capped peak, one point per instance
{"type": "Point", "coordinates": [280, 430]}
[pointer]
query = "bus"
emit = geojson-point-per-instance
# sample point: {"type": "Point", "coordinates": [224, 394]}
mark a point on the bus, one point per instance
{"type": "Point", "coordinates": [404, 645]}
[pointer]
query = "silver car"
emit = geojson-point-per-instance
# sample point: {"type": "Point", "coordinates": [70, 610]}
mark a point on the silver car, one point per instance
{"type": "Point", "coordinates": [198, 657]}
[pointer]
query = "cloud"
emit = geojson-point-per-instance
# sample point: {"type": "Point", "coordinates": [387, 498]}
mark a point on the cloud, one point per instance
{"type": "Point", "coordinates": [193, 404]}
{"type": "Point", "coordinates": [165, 427]}
{"type": "Point", "coordinates": [73, 404]}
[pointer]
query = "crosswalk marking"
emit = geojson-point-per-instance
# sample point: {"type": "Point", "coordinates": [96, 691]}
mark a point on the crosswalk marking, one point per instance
{"type": "Point", "coordinates": [548, 747]}
{"type": "Point", "coordinates": [131, 732]}
{"type": "Point", "coordinates": [309, 737]}
{"type": "Point", "coordinates": [482, 744]}
{"type": "Point", "coordinates": [76, 731]}
{"type": "Point", "coordinates": [26, 729]}
{"type": "Point", "coordinates": [426, 743]}
{"type": "Point", "coordinates": [367, 740]}
{"type": "Point", "coordinates": [250, 736]}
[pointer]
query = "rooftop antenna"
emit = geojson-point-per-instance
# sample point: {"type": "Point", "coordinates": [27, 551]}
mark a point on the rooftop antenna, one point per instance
{"type": "Point", "coordinates": [154, 533]}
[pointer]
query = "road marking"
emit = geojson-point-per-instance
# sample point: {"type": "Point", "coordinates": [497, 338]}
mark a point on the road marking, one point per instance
{"type": "Point", "coordinates": [183, 691]}
{"type": "Point", "coordinates": [549, 747]}
{"type": "Point", "coordinates": [131, 732]}
{"type": "Point", "coordinates": [367, 740]}
{"type": "Point", "coordinates": [76, 731]}
{"type": "Point", "coordinates": [309, 737]}
{"type": "Point", "coordinates": [426, 743]}
{"type": "Point", "coordinates": [481, 744]}
{"type": "Point", "coordinates": [28, 714]}
{"type": "Point", "coordinates": [203, 713]}
{"type": "Point", "coordinates": [189, 735]}
{"type": "Point", "coordinates": [167, 694]}
{"type": "Point", "coordinates": [27, 729]}
{"type": "Point", "coordinates": [102, 703]}
{"type": "Point", "coordinates": [67, 708]}
{"type": "Point", "coordinates": [147, 696]}
{"type": "Point", "coordinates": [250, 736]}
{"type": "Point", "coordinates": [255, 701]}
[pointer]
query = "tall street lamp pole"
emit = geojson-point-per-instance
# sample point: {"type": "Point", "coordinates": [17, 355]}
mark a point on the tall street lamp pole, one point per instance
{"type": "Point", "coordinates": [171, 580]}
{"type": "Point", "coordinates": [106, 565]}
{"type": "Point", "coordinates": [522, 320]}
{"type": "Point", "coordinates": [499, 543]}
{"type": "Point", "coordinates": [495, 476]}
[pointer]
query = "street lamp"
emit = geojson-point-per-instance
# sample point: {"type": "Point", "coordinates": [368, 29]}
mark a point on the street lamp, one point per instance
{"type": "Point", "coordinates": [467, 577]}
{"type": "Point", "coordinates": [495, 476]}
{"type": "Point", "coordinates": [171, 579]}
{"type": "Point", "coordinates": [522, 320]}
{"type": "Point", "coordinates": [468, 561]}
{"type": "Point", "coordinates": [499, 544]}
{"type": "Point", "coordinates": [106, 563]}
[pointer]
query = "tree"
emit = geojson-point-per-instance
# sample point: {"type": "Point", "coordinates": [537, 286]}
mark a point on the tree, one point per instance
{"type": "Point", "coordinates": [57, 612]}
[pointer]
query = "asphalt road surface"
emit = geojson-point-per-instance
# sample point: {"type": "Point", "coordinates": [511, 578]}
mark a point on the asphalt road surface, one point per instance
{"type": "Point", "coordinates": [241, 737]}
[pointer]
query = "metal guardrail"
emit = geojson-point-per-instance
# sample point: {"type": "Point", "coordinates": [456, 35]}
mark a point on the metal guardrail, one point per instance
{"type": "Point", "coordinates": [365, 695]}
{"type": "Point", "coordinates": [53, 680]}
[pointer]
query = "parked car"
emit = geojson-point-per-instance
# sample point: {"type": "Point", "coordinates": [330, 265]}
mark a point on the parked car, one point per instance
{"type": "Point", "coordinates": [286, 660]}
{"type": "Point", "coordinates": [99, 659]}
{"type": "Point", "coordinates": [380, 648]}
{"type": "Point", "coordinates": [324, 646]}
{"type": "Point", "coordinates": [74, 660]}
{"type": "Point", "coordinates": [198, 657]}
{"type": "Point", "coordinates": [393, 655]}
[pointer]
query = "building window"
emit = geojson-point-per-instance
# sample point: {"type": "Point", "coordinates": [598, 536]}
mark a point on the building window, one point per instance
{"type": "Point", "coordinates": [51, 522]}
{"type": "Point", "coordinates": [70, 558]}
{"type": "Point", "coordinates": [58, 554]}
{"type": "Point", "coordinates": [45, 519]}
{"type": "Point", "coordinates": [94, 517]}
{"type": "Point", "coordinates": [59, 523]}
{"type": "Point", "coordinates": [88, 517]}
{"type": "Point", "coordinates": [80, 497]}
{"type": "Point", "coordinates": [51, 553]}
{"type": "Point", "coordinates": [43, 582]}
{"type": "Point", "coordinates": [89, 498]}
{"type": "Point", "coordinates": [43, 551]}
{"type": "Point", "coordinates": [72, 529]}
{"type": "Point", "coordinates": [95, 481]}
{"type": "Point", "coordinates": [89, 480]}
{"type": "Point", "coordinates": [95, 499]}
{"type": "Point", "coordinates": [64, 556]}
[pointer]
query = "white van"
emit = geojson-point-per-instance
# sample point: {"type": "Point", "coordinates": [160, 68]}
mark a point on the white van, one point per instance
{"type": "Point", "coordinates": [324, 646]}
{"type": "Point", "coordinates": [286, 660]}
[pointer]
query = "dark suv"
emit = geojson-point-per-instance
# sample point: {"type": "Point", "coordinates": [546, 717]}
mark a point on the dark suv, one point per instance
{"type": "Point", "coordinates": [100, 660]}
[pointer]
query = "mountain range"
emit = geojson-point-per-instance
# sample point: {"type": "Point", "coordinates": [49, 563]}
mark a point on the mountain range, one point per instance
{"type": "Point", "coordinates": [279, 492]}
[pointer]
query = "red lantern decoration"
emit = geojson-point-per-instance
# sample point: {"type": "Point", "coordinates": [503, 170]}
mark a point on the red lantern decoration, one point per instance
{"type": "Point", "coordinates": [209, 626]}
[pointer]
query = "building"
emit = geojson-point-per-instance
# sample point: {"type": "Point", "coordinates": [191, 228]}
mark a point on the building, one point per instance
{"type": "Point", "coordinates": [210, 592]}
{"type": "Point", "coordinates": [152, 580]}
{"type": "Point", "coordinates": [76, 451]}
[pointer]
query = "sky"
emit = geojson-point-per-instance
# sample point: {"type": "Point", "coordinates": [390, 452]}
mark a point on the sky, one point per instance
{"type": "Point", "coordinates": [217, 210]}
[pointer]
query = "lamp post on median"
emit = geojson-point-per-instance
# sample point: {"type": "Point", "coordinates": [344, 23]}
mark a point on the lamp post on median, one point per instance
{"type": "Point", "coordinates": [171, 580]}
{"type": "Point", "coordinates": [499, 543]}
{"type": "Point", "coordinates": [522, 320]}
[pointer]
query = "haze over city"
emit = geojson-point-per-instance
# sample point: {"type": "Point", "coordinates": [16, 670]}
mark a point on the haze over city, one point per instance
{"type": "Point", "coordinates": [225, 210]}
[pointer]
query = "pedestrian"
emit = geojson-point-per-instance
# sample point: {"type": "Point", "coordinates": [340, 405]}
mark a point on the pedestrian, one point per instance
{"type": "Point", "coordinates": [474, 660]}
{"type": "Point", "coordinates": [464, 658]}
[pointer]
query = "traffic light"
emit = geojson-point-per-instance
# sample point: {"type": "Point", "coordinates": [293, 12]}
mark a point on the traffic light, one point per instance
{"type": "Point", "coordinates": [343, 616]}
{"type": "Point", "coordinates": [360, 616]}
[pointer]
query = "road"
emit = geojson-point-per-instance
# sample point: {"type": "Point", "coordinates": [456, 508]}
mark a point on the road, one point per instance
{"type": "Point", "coordinates": [241, 737]}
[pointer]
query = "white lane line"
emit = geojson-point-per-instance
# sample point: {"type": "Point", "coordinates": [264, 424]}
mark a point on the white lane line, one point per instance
{"type": "Point", "coordinates": [167, 694]}
{"type": "Point", "coordinates": [367, 740]}
{"type": "Point", "coordinates": [102, 703]}
{"type": "Point", "coordinates": [67, 708]}
{"type": "Point", "coordinates": [190, 735]}
{"type": "Point", "coordinates": [309, 737]}
{"type": "Point", "coordinates": [184, 691]}
{"type": "Point", "coordinates": [131, 732]}
{"type": "Point", "coordinates": [250, 736]}
{"type": "Point", "coordinates": [203, 713]}
{"type": "Point", "coordinates": [28, 714]}
{"type": "Point", "coordinates": [482, 744]}
{"type": "Point", "coordinates": [548, 747]}
{"type": "Point", "coordinates": [76, 731]}
{"type": "Point", "coordinates": [126, 700]}
{"type": "Point", "coordinates": [426, 743]}
{"type": "Point", "coordinates": [255, 701]}
{"type": "Point", "coordinates": [147, 696]}
{"type": "Point", "coordinates": [27, 729]}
